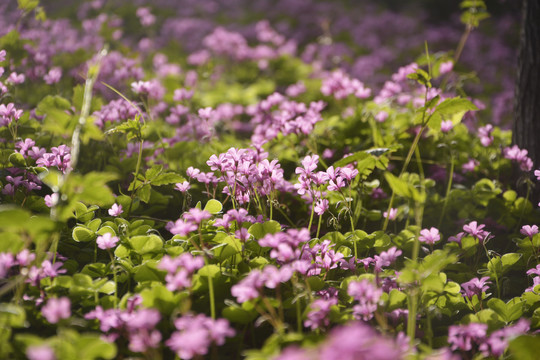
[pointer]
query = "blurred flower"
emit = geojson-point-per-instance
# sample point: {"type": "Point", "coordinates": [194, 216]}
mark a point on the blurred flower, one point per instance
{"type": "Point", "coordinates": [429, 236]}
{"type": "Point", "coordinates": [107, 241]}
{"type": "Point", "coordinates": [57, 309]}
{"type": "Point", "coordinates": [115, 210]}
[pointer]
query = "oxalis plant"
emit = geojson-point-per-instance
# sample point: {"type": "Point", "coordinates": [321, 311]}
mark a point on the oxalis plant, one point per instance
{"type": "Point", "coordinates": [233, 191]}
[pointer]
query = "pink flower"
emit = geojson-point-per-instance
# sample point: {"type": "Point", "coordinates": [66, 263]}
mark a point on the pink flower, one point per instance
{"type": "Point", "coordinates": [107, 241]}
{"type": "Point", "coordinates": [40, 352]}
{"type": "Point", "coordinates": [321, 206]}
{"type": "Point", "coordinates": [429, 236]}
{"type": "Point", "coordinates": [537, 174]}
{"type": "Point", "coordinates": [381, 116]}
{"type": "Point", "coordinates": [529, 231]}
{"type": "Point", "coordinates": [115, 210]}
{"type": "Point", "coordinates": [470, 165]}
{"type": "Point", "coordinates": [57, 309]}
{"type": "Point", "coordinates": [446, 67]}
{"type": "Point", "coordinates": [392, 215]}
{"type": "Point", "coordinates": [182, 187]}
{"type": "Point", "coordinates": [446, 126]}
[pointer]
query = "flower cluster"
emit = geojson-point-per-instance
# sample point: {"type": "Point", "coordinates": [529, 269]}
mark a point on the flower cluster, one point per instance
{"type": "Point", "coordinates": [339, 85]}
{"type": "Point", "coordinates": [251, 286]}
{"type": "Point", "coordinates": [352, 341]}
{"type": "Point", "coordinates": [137, 325]}
{"type": "Point", "coordinates": [180, 269]}
{"type": "Point", "coordinates": [195, 334]}
{"type": "Point", "coordinates": [367, 294]}
{"type": "Point", "coordinates": [474, 335]}
{"type": "Point", "coordinates": [519, 156]}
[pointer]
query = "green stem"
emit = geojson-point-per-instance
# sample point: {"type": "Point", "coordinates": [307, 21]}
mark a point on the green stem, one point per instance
{"type": "Point", "coordinates": [411, 319]}
{"type": "Point", "coordinates": [212, 299]}
{"type": "Point", "coordinates": [115, 279]}
{"type": "Point", "coordinates": [299, 316]}
{"type": "Point", "coordinates": [448, 188]}
{"type": "Point", "coordinates": [405, 165]}
{"type": "Point", "coordinates": [409, 156]}
{"type": "Point", "coordinates": [319, 226]}
{"type": "Point", "coordinates": [311, 216]}
{"type": "Point", "coordinates": [137, 170]}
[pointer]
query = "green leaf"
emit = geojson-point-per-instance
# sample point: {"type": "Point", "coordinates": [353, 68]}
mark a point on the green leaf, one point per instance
{"type": "Point", "coordinates": [229, 246]}
{"type": "Point", "coordinates": [396, 299]}
{"type": "Point", "coordinates": [17, 160]}
{"type": "Point", "coordinates": [525, 347]}
{"type": "Point", "coordinates": [148, 272]}
{"type": "Point", "coordinates": [433, 283]}
{"type": "Point", "coordinates": [259, 230]}
{"type": "Point", "coordinates": [359, 155]}
{"type": "Point", "coordinates": [508, 260]}
{"type": "Point", "coordinates": [12, 315]}
{"type": "Point", "coordinates": [144, 193]}
{"type": "Point", "coordinates": [454, 106]}
{"type": "Point", "coordinates": [213, 206]}
{"type": "Point", "coordinates": [236, 314]}
{"type": "Point", "coordinates": [144, 244]}
{"type": "Point", "coordinates": [402, 188]}
{"type": "Point", "coordinates": [95, 270]}
{"type": "Point", "coordinates": [121, 252]}
{"type": "Point", "coordinates": [27, 5]}
{"type": "Point", "coordinates": [153, 172]}
{"type": "Point", "coordinates": [57, 120]}
{"type": "Point", "coordinates": [167, 178]}
{"type": "Point", "coordinates": [83, 234]}
{"type": "Point", "coordinates": [209, 271]}
{"type": "Point", "coordinates": [91, 347]}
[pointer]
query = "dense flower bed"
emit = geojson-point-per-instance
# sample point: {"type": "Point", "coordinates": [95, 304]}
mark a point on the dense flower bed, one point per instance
{"type": "Point", "coordinates": [252, 181]}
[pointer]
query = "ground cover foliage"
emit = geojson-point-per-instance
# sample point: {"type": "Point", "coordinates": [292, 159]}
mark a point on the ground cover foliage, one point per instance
{"type": "Point", "coordinates": [262, 180]}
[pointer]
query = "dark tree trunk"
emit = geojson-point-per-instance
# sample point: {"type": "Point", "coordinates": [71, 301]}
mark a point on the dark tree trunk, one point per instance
{"type": "Point", "coordinates": [526, 132]}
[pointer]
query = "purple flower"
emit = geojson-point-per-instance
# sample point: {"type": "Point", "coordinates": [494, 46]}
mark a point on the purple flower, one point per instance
{"type": "Point", "coordinates": [446, 126]}
{"type": "Point", "coordinates": [321, 206]}
{"type": "Point", "coordinates": [196, 333]}
{"type": "Point", "coordinates": [107, 241]}
{"type": "Point", "coordinates": [181, 227]}
{"type": "Point", "coordinates": [367, 294]}
{"type": "Point", "coordinates": [497, 342]}
{"type": "Point", "coordinates": [476, 230]}
{"type": "Point", "coordinates": [446, 67]}
{"type": "Point", "coordinates": [475, 287]}
{"type": "Point", "coordinates": [182, 187]}
{"type": "Point", "coordinates": [242, 234]}
{"type": "Point", "coordinates": [53, 76]}
{"type": "Point", "coordinates": [529, 231]}
{"type": "Point", "coordinates": [197, 215]}
{"type": "Point", "coordinates": [392, 215]}
{"type": "Point", "coordinates": [537, 174]}
{"type": "Point", "coordinates": [249, 287]}
{"type": "Point", "coordinates": [40, 352]}
{"type": "Point", "coordinates": [520, 156]}
{"type": "Point", "coordinates": [429, 236]}
{"type": "Point", "coordinates": [57, 309]}
{"type": "Point", "coordinates": [318, 317]}
{"type": "Point", "coordinates": [464, 337]}
{"type": "Point", "coordinates": [485, 135]}
{"type": "Point", "coordinates": [470, 166]}
{"type": "Point", "coordinates": [386, 258]}
{"type": "Point", "coordinates": [51, 200]}
{"type": "Point", "coordinates": [358, 341]}
{"type": "Point", "coordinates": [115, 210]}
{"type": "Point", "coordinates": [534, 271]}
{"type": "Point", "coordinates": [381, 116]}
{"type": "Point", "coordinates": [188, 344]}
{"type": "Point", "coordinates": [6, 262]}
